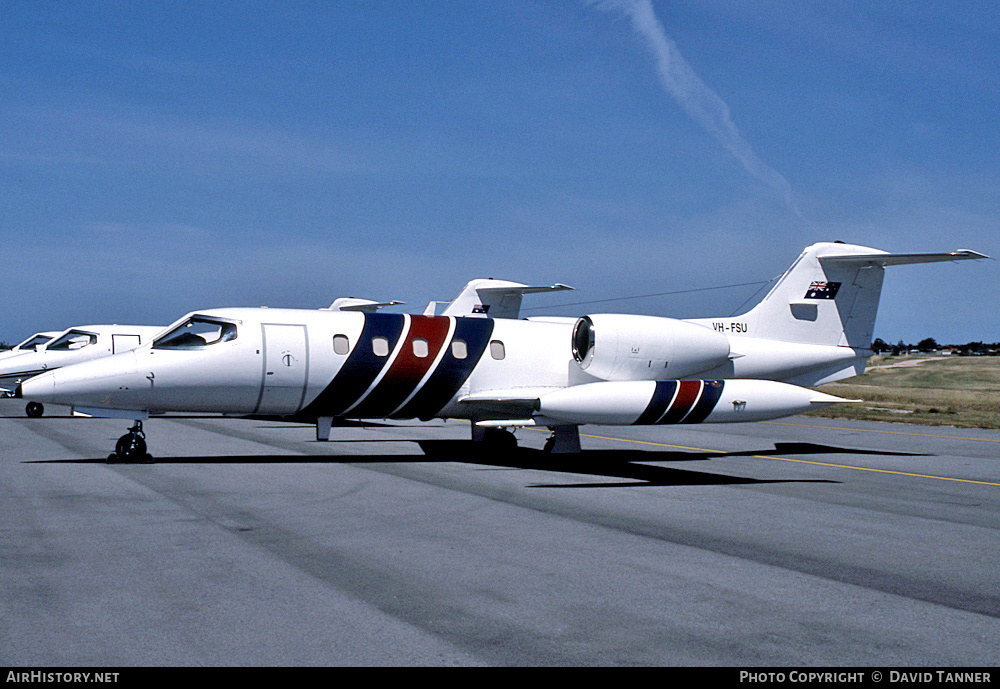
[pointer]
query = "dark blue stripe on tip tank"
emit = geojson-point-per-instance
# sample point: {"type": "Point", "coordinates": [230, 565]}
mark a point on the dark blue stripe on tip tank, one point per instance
{"type": "Point", "coordinates": [361, 367]}
{"type": "Point", "coordinates": [657, 406]}
{"type": "Point", "coordinates": [451, 373]}
{"type": "Point", "coordinates": [710, 394]}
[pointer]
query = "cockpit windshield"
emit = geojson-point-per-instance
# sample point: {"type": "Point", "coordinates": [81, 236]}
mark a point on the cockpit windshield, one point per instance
{"type": "Point", "coordinates": [34, 341]}
{"type": "Point", "coordinates": [196, 331]}
{"type": "Point", "coordinates": [74, 339]}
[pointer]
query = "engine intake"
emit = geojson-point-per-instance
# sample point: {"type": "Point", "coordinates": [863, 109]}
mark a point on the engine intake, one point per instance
{"type": "Point", "coordinates": [627, 347]}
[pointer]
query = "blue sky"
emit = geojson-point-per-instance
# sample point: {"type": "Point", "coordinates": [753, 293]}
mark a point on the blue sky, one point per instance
{"type": "Point", "coordinates": [157, 158]}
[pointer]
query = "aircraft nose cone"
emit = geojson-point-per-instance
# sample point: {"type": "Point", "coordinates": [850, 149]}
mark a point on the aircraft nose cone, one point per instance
{"type": "Point", "coordinates": [101, 382]}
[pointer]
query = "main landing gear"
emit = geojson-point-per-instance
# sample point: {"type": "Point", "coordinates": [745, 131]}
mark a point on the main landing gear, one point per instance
{"type": "Point", "coordinates": [564, 440]}
{"type": "Point", "coordinates": [131, 448]}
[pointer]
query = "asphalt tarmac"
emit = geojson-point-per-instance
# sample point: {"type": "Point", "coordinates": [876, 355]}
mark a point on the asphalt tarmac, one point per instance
{"type": "Point", "coordinates": [799, 543]}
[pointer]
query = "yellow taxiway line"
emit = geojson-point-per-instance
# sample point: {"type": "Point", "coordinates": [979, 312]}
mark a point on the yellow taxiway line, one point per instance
{"type": "Point", "coordinates": [806, 461]}
{"type": "Point", "coordinates": [875, 430]}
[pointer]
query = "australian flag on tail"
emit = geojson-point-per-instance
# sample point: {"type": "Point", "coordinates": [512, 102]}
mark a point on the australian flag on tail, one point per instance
{"type": "Point", "coordinates": [822, 290]}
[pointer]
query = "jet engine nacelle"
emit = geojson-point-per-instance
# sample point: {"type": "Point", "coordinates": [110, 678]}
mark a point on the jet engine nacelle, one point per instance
{"type": "Point", "coordinates": [628, 347]}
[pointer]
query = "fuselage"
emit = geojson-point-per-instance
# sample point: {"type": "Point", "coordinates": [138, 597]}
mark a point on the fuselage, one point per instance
{"type": "Point", "coordinates": [313, 364]}
{"type": "Point", "coordinates": [317, 364]}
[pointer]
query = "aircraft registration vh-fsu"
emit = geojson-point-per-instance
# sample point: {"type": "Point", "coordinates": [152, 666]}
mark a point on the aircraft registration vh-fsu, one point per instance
{"type": "Point", "coordinates": [478, 361]}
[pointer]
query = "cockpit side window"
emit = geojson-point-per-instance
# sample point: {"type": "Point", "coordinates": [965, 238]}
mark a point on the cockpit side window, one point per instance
{"type": "Point", "coordinates": [74, 339]}
{"type": "Point", "coordinates": [196, 332]}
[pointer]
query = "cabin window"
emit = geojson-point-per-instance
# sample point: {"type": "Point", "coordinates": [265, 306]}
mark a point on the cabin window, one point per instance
{"type": "Point", "coordinates": [459, 349]}
{"type": "Point", "coordinates": [195, 332]}
{"type": "Point", "coordinates": [74, 339]}
{"type": "Point", "coordinates": [497, 350]}
{"type": "Point", "coordinates": [420, 348]}
{"type": "Point", "coordinates": [380, 346]}
{"type": "Point", "coordinates": [341, 344]}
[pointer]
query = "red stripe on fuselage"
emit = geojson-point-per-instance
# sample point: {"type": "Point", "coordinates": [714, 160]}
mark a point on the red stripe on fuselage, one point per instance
{"type": "Point", "coordinates": [408, 369]}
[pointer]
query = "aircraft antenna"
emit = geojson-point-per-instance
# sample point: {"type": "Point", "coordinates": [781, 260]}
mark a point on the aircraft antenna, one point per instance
{"type": "Point", "coordinates": [737, 309]}
{"type": "Point", "coordinates": [763, 284]}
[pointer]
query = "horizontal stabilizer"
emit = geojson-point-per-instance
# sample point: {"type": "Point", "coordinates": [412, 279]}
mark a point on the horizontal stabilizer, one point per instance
{"type": "Point", "coordinates": [887, 259]}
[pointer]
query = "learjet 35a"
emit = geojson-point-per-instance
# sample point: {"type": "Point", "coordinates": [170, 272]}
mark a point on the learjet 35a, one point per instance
{"type": "Point", "coordinates": [814, 326]}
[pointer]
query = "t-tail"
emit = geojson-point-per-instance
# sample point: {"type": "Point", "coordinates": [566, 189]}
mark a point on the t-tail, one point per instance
{"type": "Point", "coordinates": [820, 315]}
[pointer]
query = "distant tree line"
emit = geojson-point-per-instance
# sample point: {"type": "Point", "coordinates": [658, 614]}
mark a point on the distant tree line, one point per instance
{"type": "Point", "coordinates": [929, 344]}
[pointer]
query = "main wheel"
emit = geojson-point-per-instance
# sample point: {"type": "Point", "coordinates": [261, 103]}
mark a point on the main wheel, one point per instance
{"type": "Point", "coordinates": [131, 448]}
{"type": "Point", "coordinates": [34, 409]}
{"type": "Point", "coordinates": [498, 440]}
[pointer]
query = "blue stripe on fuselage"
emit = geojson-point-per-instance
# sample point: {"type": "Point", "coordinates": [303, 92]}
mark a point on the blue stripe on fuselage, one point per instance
{"type": "Point", "coordinates": [451, 372]}
{"type": "Point", "coordinates": [361, 367]}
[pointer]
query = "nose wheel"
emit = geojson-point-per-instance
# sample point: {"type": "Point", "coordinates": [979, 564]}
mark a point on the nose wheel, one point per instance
{"type": "Point", "coordinates": [131, 448]}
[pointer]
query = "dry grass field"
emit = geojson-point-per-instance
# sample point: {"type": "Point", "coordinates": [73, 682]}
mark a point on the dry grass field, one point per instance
{"type": "Point", "coordinates": [922, 389]}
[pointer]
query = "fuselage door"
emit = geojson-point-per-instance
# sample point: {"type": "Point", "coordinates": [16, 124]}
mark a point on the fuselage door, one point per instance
{"type": "Point", "coordinates": [286, 364]}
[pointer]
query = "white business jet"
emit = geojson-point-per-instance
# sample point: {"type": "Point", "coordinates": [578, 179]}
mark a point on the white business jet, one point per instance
{"type": "Point", "coordinates": [814, 326]}
{"type": "Point", "coordinates": [72, 346]}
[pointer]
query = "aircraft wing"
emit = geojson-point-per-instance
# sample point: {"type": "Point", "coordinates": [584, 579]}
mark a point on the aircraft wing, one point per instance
{"type": "Point", "coordinates": [512, 407]}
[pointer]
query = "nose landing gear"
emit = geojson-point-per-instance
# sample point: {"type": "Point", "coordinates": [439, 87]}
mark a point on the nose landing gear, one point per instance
{"type": "Point", "coordinates": [131, 448]}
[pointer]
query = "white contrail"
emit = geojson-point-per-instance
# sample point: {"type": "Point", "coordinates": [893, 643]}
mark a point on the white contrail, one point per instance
{"type": "Point", "coordinates": [700, 102]}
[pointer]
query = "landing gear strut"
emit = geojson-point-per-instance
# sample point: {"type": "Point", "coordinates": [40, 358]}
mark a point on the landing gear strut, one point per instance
{"type": "Point", "coordinates": [564, 440]}
{"type": "Point", "coordinates": [494, 440]}
{"type": "Point", "coordinates": [131, 448]}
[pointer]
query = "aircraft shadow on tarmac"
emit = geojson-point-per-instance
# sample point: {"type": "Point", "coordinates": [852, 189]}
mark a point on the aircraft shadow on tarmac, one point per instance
{"type": "Point", "coordinates": [631, 468]}
{"type": "Point", "coordinates": [814, 449]}
{"type": "Point", "coordinates": [635, 466]}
